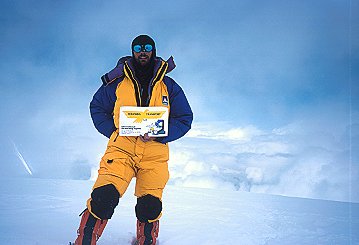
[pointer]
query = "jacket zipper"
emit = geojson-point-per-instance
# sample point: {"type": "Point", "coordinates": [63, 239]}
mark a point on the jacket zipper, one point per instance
{"type": "Point", "coordinates": [154, 80]}
{"type": "Point", "coordinates": [136, 83]}
{"type": "Point", "coordinates": [116, 137]}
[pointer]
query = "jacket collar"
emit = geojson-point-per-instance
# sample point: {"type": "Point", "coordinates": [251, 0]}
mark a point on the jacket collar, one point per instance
{"type": "Point", "coordinates": [118, 71]}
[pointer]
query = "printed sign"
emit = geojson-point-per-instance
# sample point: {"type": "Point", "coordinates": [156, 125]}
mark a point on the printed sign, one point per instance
{"type": "Point", "coordinates": [135, 121]}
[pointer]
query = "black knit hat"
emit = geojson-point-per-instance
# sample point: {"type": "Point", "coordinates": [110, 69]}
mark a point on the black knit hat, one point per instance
{"type": "Point", "coordinates": [143, 40]}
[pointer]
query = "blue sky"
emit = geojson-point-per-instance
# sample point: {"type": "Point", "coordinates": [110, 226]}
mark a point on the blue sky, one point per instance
{"type": "Point", "coordinates": [273, 85]}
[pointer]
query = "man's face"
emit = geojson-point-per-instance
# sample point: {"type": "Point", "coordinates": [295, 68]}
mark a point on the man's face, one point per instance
{"type": "Point", "coordinates": [143, 57]}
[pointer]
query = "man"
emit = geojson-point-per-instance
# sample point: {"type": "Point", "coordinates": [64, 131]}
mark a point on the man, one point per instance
{"type": "Point", "coordinates": [137, 80]}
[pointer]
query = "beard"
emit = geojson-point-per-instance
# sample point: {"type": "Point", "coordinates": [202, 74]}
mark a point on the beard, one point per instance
{"type": "Point", "coordinates": [143, 59]}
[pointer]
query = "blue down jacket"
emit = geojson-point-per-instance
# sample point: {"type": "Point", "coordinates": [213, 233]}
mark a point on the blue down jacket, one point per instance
{"type": "Point", "coordinates": [103, 102]}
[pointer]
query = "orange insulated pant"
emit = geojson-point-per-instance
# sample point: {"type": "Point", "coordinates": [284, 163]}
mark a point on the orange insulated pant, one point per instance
{"type": "Point", "coordinates": [128, 157]}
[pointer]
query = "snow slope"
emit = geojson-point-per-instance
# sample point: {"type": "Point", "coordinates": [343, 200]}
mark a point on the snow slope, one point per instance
{"type": "Point", "coordinates": [42, 211]}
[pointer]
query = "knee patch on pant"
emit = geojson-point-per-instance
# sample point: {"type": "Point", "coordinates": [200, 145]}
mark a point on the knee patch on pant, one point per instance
{"type": "Point", "coordinates": [104, 199]}
{"type": "Point", "coordinates": [148, 208]}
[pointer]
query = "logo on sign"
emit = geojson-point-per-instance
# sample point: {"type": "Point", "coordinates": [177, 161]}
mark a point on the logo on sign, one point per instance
{"type": "Point", "coordinates": [140, 116]}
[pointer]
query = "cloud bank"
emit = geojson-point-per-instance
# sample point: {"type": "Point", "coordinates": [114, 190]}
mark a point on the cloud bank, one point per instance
{"type": "Point", "coordinates": [290, 161]}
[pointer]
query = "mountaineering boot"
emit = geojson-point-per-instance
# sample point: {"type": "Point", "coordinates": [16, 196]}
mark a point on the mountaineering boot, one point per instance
{"type": "Point", "coordinates": [147, 233]}
{"type": "Point", "coordinates": [90, 229]}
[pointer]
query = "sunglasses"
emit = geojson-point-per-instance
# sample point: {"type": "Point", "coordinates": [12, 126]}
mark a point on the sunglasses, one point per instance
{"type": "Point", "coordinates": [142, 48]}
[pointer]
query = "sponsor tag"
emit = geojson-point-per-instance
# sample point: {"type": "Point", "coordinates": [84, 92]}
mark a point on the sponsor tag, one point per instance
{"type": "Point", "coordinates": [164, 100]}
{"type": "Point", "coordinates": [135, 121]}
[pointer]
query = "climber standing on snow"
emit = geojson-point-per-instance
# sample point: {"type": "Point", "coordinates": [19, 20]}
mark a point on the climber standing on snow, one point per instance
{"type": "Point", "coordinates": [139, 80]}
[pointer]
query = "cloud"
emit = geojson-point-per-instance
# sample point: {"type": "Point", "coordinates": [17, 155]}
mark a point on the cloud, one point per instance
{"type": "Point", "coordinates": [221, 130]}
{"type": "Point", "coordinates": [291, 160]}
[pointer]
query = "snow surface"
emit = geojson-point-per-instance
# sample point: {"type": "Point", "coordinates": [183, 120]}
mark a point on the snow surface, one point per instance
{"type": "Point", "coordinates": [45, 211]}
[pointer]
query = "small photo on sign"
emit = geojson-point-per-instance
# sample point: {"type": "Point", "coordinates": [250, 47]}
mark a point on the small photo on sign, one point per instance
{"type": "Point", "coordinates": [135, 121]}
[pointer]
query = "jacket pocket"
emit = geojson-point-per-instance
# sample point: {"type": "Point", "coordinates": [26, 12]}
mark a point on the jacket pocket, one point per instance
{"type": "Point", "coordinates": [114, 135]}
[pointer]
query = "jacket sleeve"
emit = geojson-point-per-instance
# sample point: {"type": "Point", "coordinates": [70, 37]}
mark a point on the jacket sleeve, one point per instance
{"type": "Point", "coordinates": [181, 116]}
{"type": "Point", "coordinates": [101, 109]}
